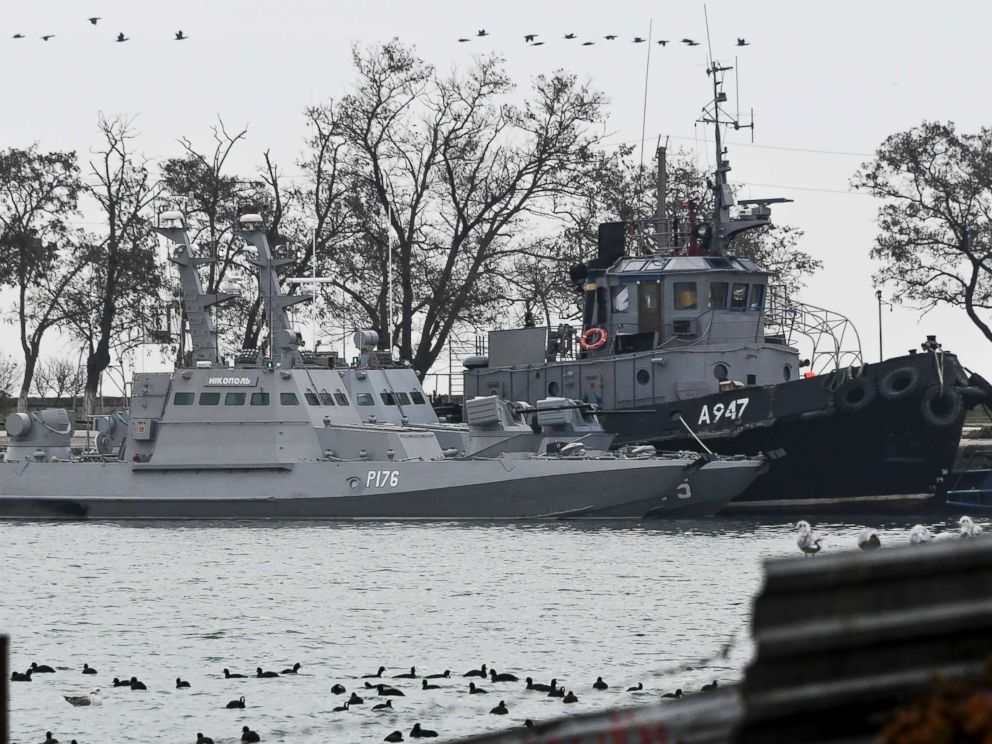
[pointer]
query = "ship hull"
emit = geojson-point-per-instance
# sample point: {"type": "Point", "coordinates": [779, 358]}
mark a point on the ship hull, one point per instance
{"type": "Point", "coordinates": [879, 454]}
{"type": "Point", "coordinates": [494, 489]}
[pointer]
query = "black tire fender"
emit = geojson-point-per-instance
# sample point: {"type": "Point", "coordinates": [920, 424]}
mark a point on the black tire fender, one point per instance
{"type": "Point", "coordinates": [940, 406]}
{"type": "Point", "coordinates": [900, 383]}
{"type": "Point", "coordinates": [855, 395]}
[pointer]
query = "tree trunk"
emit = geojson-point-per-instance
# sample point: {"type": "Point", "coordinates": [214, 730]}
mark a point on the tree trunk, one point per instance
{"type": "Point", "coordinates": [30, 361]}
{"type": "Point", "coordinates": [253, 325]}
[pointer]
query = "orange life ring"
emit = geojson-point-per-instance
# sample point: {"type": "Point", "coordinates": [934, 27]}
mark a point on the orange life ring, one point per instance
{"type": "Point", "coordinates": [594, 338]}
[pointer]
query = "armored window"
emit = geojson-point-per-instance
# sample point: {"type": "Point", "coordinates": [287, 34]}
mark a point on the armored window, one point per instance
{"type": "Point", "coordinates": [342, 399]}
{"type": "Point", "coordinates": [365, 399]}
{"type": "Point", "coordinates": [738, 297]}
{"type": "Point", "coordinates": [388, 398]}
{"type": "Point", "coordinates": [260, 399]}
{"type": "Point", "coordinates": [718, 295]}
{"type": "Point", "coordinates": [685, 295]}
{"type": "Point", "coordinates": [326, 398]}
{"type": "Point", "coordinates": [403, 399]}
{"type": "Point", "coordinates": [288, 399]}
{"type": "Point", "coordinates": [234, 399]}
{"type": "Point", "coordinates": [311, 398]}
{"type": "Point", "coordinates": [417, 398]}
{"type": "Point", "coordinates": [757, 296]}
{"type": "Point", "coordinates": [621, 299]}
{"type": "Point", "coordinates": [209, 399]}
{"type": "Point", "coordinates": [183, 399]}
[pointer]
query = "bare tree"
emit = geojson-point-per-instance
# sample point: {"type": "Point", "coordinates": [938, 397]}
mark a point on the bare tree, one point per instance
{"type": "Point", "coordinates": [9, 371]}
{"type": "Point", "coordinates": [39, 257]}
{"type": "Point", "coordinates": [59, 377]}
{"type": "Point", "coordinates": [112, 298]}
{"type": "Point", "coordinates": [935, 240]}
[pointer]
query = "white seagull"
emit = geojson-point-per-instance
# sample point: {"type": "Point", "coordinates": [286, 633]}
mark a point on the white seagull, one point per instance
{"type": "Point", "coordinates": [868, 540]}
{"type": "Point", "coordinates": [805, 540]}
{"type": "Point", "coordinates": [920, 535]}
{"type": "Point", "coordinates": [968, 528]}
{"type": "Point", "coordinates": [92, 699]}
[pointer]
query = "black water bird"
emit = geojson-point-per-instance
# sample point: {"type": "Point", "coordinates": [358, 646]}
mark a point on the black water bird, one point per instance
{"type": "Point", "coordinates": [662, 42]}
{"type": "Point", "coordinates": [599, 684]}
{"type": "Point", "coordinates": [529, 723]}
{"type": "Point", "coordinates": [636, 688]}
{"type": "Point", "coordinates": [570, 698]}
{"type": "Point", "coordinates": [421, 733]}
{"type": "Point", "coordinates": [228, 675]}
{"type": "Point", "coordinates": [690, 42]}
{"type": "Point", "coordinates": [473, 690]}
{"type": "Point", "coordinates": [247, 735]}
{"type": "Point", "coordinates": [675, 695]}
{"type": "Point", "coordinates": [182, 37]}
{"type": "Point", "coordinates": [87, 669]}
{"type": "Point", "coordinates": [376, 675]}
{"type": "Point", "coordinates": [383, 706]}
{"type": "Point", "coordinates": [610, 37]}
{"type": "Point", "coordinates": [387, 691]}
{"type": "Point", "coordinates": [638, 40]}
{"type": "Point", "coordinates": [394, 737]}
{"type": "Point", "coordinates": [528, 38]}
{"type": "Point", "coordinates": [19, 677]}
{"type": "Point", "coordinates": [868, 540]}
{"type": "Point", "coordinates": [259, 674]}
{"type": "Point", "coordinates": [339, 689]}
{"type": "Point", "coordinates": [710, 686]}
{"type": "Point", "coordinates": [443, 675]}
{"type": "Point", "coordinates": [46, 37]}
{"type": "Point", "coordinates": [556, 692]}
{"type": "Point", "coordinates": [239, 703]}
{"type": "Point", "coordinates": [500, 710]}
{"type": "Point", "coordinates": [569, 36]}
{"type": "Point", "coordinates": [742, 42]}
{"type": "Point", "coordinates": [119, 683]}
{"type": "Point", "coordinates": [93, 20]}
{"type": "Point", "coordinates": [538, 686]}
{"type": "Point", "coordinates": [201, 739]}
{"type": "Point", "coordinates": [355, 700]}
{"type": "Point", "coordinates": [480, 672]}
{"type": "Point", "coordinates": [425, 686]}
{"type": "Point", "coordinates": [137, 684]}
{"type": "Point", "coordinates": [412, 674]}
{"type": "Point", "coordinates": [505, 677]}
{"type": "Point", "coordinates": [294, 670]}
{"type": "Point", "coordinates": [49, 739]}
{"type": "Point", "coordinates": [121, 38]}
{"type": "Point", "coordinates": [482, 32]}
{"type": "Point", "coordinates": [41, 668]}
{"type": "Point", "coordinates": [181, 684]}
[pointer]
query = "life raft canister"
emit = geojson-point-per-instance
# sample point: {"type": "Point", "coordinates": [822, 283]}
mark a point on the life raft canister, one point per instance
{"type": "Point", "coordinates": [593, 338]}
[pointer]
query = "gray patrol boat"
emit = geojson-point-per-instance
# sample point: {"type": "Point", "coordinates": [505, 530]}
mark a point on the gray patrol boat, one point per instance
{"type": "Point", "coordinates": [289, 435]}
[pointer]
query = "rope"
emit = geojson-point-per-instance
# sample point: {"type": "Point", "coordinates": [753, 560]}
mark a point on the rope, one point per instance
{"type": "Point", "coordinates": [693, 435]}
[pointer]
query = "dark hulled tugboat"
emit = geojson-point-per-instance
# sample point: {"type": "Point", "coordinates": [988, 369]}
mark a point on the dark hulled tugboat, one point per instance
{"type": "Point", "coordinates": [684, 345]}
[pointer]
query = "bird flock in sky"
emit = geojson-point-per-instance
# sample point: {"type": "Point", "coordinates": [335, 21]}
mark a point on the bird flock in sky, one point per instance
{"type": "Point", "coordinates": [94, 20]}
{"type": "Point", "coordinates": [532, 40]}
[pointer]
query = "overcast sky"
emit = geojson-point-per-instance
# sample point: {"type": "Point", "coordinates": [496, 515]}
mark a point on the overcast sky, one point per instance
{"type": "Point", "coordinates": [827, 82]}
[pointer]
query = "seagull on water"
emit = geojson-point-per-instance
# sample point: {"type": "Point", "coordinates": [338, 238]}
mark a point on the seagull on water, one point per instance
{"type": "Point", "coordinates": [919, 535]}
{"type": "Point", "coordinates": [805, 541]}
{"type": "Point", "coordinates": [80, 700]}
{"type": "Point", "coordinates": [868, 540]}
{"type": "Point", "coordinates": [968, 528]}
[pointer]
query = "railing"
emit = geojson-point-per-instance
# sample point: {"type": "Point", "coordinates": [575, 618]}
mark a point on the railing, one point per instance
{"type": "Point", "coordinates": [833, 339]}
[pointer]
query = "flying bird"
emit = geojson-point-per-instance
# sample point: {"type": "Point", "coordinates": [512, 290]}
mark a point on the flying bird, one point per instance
{"type": "Point", "coordinates": [638, 40]}
{"type": "Point", "coordinates": [742, 42]}
{"type": "Point", "coordinates": [538, 43]}
{"type": "Point", "coordinates": [482, 32]}
{"type": "Point", "coordinates": [610, 37]}
{"type": "Point", "coordinates": [690, 42]}
{"type": "Point", "coordinates": [588, 43]}
{"type": "Point", "coordinates": [569, 36]}
{"type": "Point", "coordinates": [662, 42]}
{"type": "Point", "coordinates": [121, 37]}
{"type": "Point", "coordinates": [18, 36]}
{"type": "Point", "coordinates": [462, 41]}
{"type": "Point", "coordinates": [529, 37]}
{"type": "Point", "coordinates": [47, 37]}
{"type": "Point", "coordinates": [805, 540]}
{"type": "Point", "coordinates": [868, 540]}
{"type": "Point", "coordinates": [180, 36]}
{"type": "Point", "coordinates": [93, 20]}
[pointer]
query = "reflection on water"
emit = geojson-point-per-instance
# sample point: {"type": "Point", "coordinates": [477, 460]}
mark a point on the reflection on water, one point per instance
{"type": "Point", "coordinates": [625, 601]}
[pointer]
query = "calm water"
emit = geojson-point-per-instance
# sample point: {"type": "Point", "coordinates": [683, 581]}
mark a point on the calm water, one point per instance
{"type": "Point", "coordinates": [565, 600]}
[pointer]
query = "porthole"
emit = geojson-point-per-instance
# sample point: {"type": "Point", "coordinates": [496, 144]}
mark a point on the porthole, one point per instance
{"type": "Point", "coordinates": [787, 372]}
{"type": "Point", "coordinates": [554, 389]}
{"type": "Point", "coordinates": [720, 371]}
{"type": "Point", "coordinates": [643, 376]}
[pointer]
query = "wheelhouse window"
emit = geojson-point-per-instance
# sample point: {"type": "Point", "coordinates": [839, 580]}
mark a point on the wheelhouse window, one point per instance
{"type": "Point", "coordinates": [417, 397]}
{"type": "Point", "coordinates": [259, 399]}
{"type": "Point", "coordinates": [387, 398]}
{"type": "Point", "coordinates": [365, 399]}
{"type": "Point", "coordinates": [311, 397]}
{"type": "Point", "coordinates": [403, 399]}
{"type": "Point", "coordinates": [182, 399]}
{"type": "Point", "coordinates": [209, 399]}
{"type": "Point", "coordinates": [738, 297]}
{"type": "Point", "coordinates": [326, 398]}
{"type": "Point", "coordinates": [718, 295]}
{"type": "Point", "coordinates": [342, 399]}
{"type": "Point", "coordinates": [685, 295]}
{"type": "Point", "coordinates": [288, 399]}
{"type": "Point", "coordinates": [234, 399]}
{"type": "Point", "coordinates": [757, 296]}
{"type": "Point", "coordinates": [621, 299]}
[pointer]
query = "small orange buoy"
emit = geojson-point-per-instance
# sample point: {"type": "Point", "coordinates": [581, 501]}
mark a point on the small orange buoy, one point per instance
{"type": "Point", "coordinates": [808, 375]}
